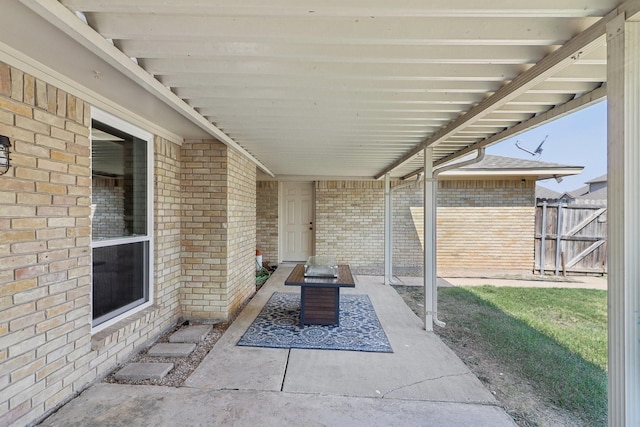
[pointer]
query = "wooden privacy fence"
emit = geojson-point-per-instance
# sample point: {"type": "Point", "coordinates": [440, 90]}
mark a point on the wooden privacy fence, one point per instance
{"type": "Point", "coordinates": [571, 238]}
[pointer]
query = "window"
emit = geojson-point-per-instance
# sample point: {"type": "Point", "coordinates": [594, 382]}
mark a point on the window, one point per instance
{"type": "Point", "coordinates": [121, 211]}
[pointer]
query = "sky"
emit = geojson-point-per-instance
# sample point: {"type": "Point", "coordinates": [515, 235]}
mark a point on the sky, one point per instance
{"type": "Point", "coordinates": [578, 139]}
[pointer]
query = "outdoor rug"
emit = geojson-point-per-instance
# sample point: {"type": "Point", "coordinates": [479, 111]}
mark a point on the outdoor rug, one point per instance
{"type": "Point", "coordinates": [277, 326]}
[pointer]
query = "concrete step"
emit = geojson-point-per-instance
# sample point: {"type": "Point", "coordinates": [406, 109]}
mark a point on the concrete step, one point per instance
{"type": "Point", "coordinates": [171, 350]}
{"type": "Point", "coordinates": [190, 334]}
{"type": "Point", "coordinates": [144, 371]}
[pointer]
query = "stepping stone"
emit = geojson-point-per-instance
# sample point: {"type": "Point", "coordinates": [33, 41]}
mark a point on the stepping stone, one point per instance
{"type": "Point", "coordinates": [171, 350]}
{"type": "Point", "coordinates": [144, 371]}
{"type": "Point", "coordinates": [190, 334]}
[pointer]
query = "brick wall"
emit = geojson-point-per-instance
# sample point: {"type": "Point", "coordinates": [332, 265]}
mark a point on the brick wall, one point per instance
{"type": "Point", "coordinates": [241, 231]}
{"type": "Point", "coordinates": [45, 258]}
{"type": "Point", "coordinates": [219, 230]}
{"type": "Point", "coordinates": [167, 218]}
{"type": "Point", "coordinates": [47, 351]}
{"type": "Point", "coordinates": [483, 224]}
{"type": "Point", "coordinates": [204, 229]}
{"type": "Point", "coordinates": [350, 221]}
{"type": "Point", "coordinates": [486, 225]}
{"type": "Point", "coordinates": [267, 220]}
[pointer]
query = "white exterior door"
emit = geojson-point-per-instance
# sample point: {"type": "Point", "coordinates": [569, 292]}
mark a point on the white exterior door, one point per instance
{"type": "Point", "coordinates": [297, 221]}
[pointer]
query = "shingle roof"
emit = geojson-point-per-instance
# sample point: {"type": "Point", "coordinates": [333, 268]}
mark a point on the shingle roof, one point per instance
{"type": "Point", "coordinates": [602, 178]}
{"type": "Point", "coordinates": [600, 194]}
{"type": "Point", "coordinates": [500, 162]}
{"type": "Point", "coordinates": [546, 193]}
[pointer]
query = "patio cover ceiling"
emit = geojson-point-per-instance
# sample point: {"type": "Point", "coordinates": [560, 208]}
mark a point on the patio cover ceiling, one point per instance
{"type": "Point", "coordinates": [346, 88]}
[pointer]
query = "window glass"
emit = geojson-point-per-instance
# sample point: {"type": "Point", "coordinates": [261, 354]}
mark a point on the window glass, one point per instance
{"type": "Point", "coordinates": [119, 187]}
{"type": "Point", "coordinates": [118, 278]}
{"type": "Point", "coordinates": [120, 222]}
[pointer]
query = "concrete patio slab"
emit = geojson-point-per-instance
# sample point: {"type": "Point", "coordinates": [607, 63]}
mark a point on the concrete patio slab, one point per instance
{"type": "Point", "coordinates": [171, 350]}
{"type": "Point", "coordinates": [190, 334]}
{"type": "Point", "coordinates": [123, 405]}
{"type": "Point", "coordinates": [144, 371]}
{"type": "Point", "coordinates": [421, 366]}
{"type": "Point", "coordinates": [421, 383]}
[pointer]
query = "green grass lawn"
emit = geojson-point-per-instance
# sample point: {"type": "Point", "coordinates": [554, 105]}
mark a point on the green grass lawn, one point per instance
{"type": "Point", "coordinates": [556, 339]}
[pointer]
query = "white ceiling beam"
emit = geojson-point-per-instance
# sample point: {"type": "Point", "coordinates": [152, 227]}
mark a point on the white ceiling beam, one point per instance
{"type": "Point", "coordinates": [353, 115]}
{"type": "Point", "coordinates": [352, 53]}
{"type": "Point", "coordinates": [289, 106]}
{"type": "Point", "coordinates": [372, 123]}
{"type": "Point", "coordinates": [550, 65]}
{"type": "Point", "coordinates": [407, 30]}
{"type": "Point", "coordinates": [565, 87]}
{"type": "Point", "coordinates": [336, 127]}
{"type": "Point", "coordinates": [185, 87]}
{"type": "Point", "coordinates": [258, 81]}
{"type": "Point", "coordinates": [417, 72]}
{"type": "Point", "coordinates": [379, 8]}
{"type": "Point", "coordinates": [338, 97]}
{"type": "Point", "coordinates": [520, 109]}
{"type": "Point", "coordinates": [65, 20]}
{"type": "Point", "coordinates": [198, 95]}
{"type": "Point", "coordinates": [581, 73]}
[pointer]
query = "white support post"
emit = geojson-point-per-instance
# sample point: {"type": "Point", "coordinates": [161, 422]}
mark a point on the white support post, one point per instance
{"type": "Point", "coordinates": [430, 291]}
{"type": "Point", "coordinates": [623, 93]}
{"type": "Point", "coordinates": [388, 235]}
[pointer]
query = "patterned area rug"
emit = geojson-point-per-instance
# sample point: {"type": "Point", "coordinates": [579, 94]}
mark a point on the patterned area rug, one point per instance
{"type": "Point", "coordinates": [277, 326]}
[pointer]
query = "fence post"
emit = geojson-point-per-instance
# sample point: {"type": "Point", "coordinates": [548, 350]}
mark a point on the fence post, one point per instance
{"type": "Point", "coordinates": [558, 238]}
{"type": "Point", "coordinates": [543, 237]}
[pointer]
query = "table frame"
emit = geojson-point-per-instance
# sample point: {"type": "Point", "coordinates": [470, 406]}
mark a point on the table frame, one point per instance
{"type": "Point", "coordinates": [320, 296]}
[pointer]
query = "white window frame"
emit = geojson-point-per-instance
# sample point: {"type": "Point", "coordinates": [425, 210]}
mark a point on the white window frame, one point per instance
{"type": "Point", "coordinates": [113, 121]}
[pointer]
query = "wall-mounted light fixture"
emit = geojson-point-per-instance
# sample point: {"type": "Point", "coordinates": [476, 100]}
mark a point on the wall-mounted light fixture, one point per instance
{"type": "Point", "coordinates": [4, 154]}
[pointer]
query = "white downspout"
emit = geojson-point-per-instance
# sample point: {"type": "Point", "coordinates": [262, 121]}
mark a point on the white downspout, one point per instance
{"type": "Point", "coordinates": [430, 239]}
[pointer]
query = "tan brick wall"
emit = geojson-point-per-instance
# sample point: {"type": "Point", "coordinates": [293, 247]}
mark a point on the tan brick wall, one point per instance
{"type": "Point", "coordinates": [204, 229]}
{"type": "Point", "coordinates": [350, 221]}
{"type": "Point", "coordinates": [241, 232]}
{"type": "Point", "coordinates": [47, 351]}
{"type": "Point", "coordinates": [167, 218]}
{"type": "Point", "coordinates": [486, 225]}
{"type": "Point", "coordinates": [407, 249]}
{"type": "Point", "coordinates": [267, 220]}
{"type": "Point", "coordinates": [45, 258]}
{"type": "Point", "coordinates": [218, 230]}
{"type": "Point", "coordinates": [483, 224]}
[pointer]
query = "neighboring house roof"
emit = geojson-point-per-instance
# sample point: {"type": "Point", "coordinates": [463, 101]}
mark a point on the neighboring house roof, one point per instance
{"type": "Point", "coordinates": [595, 189]}
{"type": "Point", "coordinates": [602, 178]}
{"type": "Point", "coordinates": [600, 194]}
{"type": "Point", "coordinates": [510, 166]}
{"type": "Point", "coordinates": [578, 192]}
{"type": "Point", "coordinates": [546, 193]}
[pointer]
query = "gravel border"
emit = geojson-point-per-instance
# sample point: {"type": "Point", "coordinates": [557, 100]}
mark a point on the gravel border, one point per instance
{"type": "Point", "coordinates": [183, 366]}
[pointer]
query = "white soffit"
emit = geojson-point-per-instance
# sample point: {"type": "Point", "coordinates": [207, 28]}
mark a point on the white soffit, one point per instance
{"type": "Point", "coordinates": [346, 88]}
